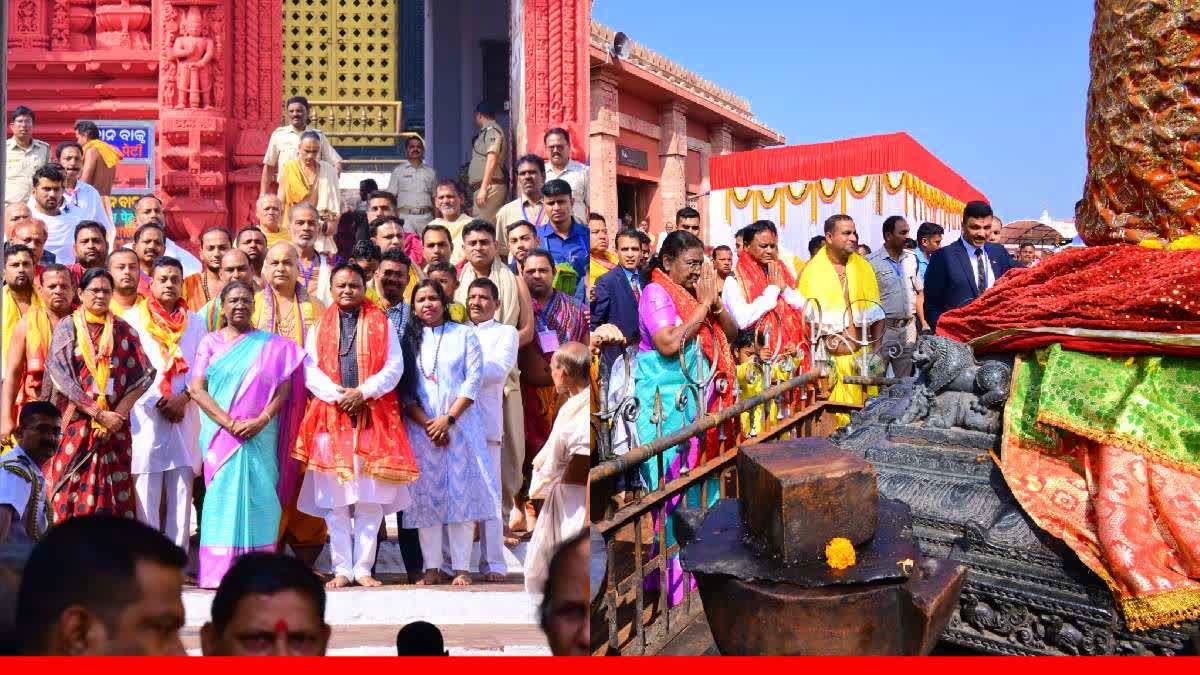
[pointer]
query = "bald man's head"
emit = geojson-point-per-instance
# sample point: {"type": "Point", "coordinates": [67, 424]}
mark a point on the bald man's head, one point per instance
{"type": "Point", "coordinates": [15, 213]}
{"type": "Point", "coordinates": [569, 367]}
{"type": "Point", "coordinates": [235, 266]}
{"type": "Point", "coordinates": [281, 267]}
{"type": "Point", "coordinates": [32, 233]}
{"type": "Point", "coordinates": [147, 210]}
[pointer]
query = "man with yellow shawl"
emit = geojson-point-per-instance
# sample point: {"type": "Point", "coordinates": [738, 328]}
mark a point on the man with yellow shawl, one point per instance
{"type": "Point", "coordinates": [309, 179]}
{"type": "Point", "coordinates": [99, 161]}
{"type": "Point", "coordinates": [25, 363]}
{"type": "Point", "coordinates": [282, 307]}
{"type": "Point", "coordinates": [165, 422]}
{"type": "Point", "coordinates": [840, 279]}
{"type": "Point", "coordinates": [602, 260]}
{"type": "Point", "coordinates": [19, 295]}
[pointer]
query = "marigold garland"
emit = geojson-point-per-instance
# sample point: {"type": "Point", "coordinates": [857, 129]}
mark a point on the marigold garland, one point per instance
{"type": "Point", "coordinates": [839, 553]}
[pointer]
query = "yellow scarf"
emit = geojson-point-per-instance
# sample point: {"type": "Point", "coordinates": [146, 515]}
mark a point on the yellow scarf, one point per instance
{"type": "Point", "coordinates": [12, 314]}
{"type": "Point", "coordinates": [167, 330]}
{"type": "Point", "coordinates": [376, 297]}
{"type": "Point", "coordinates": [98, 359]}
{"type": "Point", "coordinates": [599, 264]}
{"type": "Point", "coordinates": [266, 315]}
{"type": "Point", "coordinates": [295, 188]}
{"type": "Point", "coordinates": [108, 154]}
{"type": "Point", "coordinates": [38, 332]}
{"type": "Point", "coordinates": [820, 281]}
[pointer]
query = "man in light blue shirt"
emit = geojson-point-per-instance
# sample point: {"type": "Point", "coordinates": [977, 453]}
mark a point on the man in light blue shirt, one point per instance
{"type": "Point", "coordinates": [929, 239]}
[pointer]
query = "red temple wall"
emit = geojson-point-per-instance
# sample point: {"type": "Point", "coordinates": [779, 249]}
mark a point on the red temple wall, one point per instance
{"type": "Point", "coordinates": [71, 60]}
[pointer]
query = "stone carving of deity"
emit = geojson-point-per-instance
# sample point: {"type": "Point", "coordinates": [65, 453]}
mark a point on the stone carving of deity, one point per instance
{"type": "Point", "coordinates": [193, 53]}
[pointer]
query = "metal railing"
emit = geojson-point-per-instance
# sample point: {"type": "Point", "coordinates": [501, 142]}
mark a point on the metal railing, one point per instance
{"type": "Point", "coordinates": [792, 407]}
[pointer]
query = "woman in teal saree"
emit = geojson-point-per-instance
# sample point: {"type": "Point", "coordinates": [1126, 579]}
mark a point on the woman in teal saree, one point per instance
{"type": "Point", "coordinates": [251, 388]}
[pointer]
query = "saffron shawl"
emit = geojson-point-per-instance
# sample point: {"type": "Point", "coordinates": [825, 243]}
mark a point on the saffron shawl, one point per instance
{"type": "Point", "coordinates": [784, 320]}
{"type": "Point", "coordinates": [328, 441]}
{"type": "Point", "coordinates": [167, 330]}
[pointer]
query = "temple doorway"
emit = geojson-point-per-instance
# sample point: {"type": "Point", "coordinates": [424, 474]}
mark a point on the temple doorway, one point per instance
{"type": "Point", "coordinates": [633, 200]}
{"type": "Point", "coordinates": [375, 70]}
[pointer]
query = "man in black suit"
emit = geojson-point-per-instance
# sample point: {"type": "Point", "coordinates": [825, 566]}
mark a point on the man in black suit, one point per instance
{"type": "Point", "coordinates": [962, 271]}
{"type": "Point", "coordinates": [618, 291]}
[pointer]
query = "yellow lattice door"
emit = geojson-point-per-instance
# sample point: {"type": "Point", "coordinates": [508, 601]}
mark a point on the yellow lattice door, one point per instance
{"type": "Point", "coordinates": [341, 54]}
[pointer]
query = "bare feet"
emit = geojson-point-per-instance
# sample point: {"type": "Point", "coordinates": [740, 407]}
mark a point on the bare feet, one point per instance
{"type": "Point", "coordinates": [493, 577]}
{"type": "Point", "coordinates": [431, 578]}
{"type": "Point", "coordinates": [337, 582]}
{"type": "Point", "coordinates": [368, 581]}
{"type": "Point", "coordinates": [461, 578]}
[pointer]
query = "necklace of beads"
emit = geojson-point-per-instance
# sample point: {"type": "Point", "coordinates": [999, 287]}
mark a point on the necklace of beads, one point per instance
{"type": "Point", "coordinates": [432, 374]}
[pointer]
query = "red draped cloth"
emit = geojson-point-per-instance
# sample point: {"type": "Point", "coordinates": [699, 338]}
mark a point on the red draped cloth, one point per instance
{"type": "Point", "coordinates": [1080, 297]}
{"type": "Point", "coordinates": [1098, 434]}
{"type": "Point", "coordinates": [784, 321]}
{"type": "Point", "coordinates": [328, 440]}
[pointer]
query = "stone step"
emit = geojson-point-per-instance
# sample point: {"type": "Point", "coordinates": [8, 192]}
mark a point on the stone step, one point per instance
{"type": "Point", "coordinates": [460, 639]}
{"type": "Point", "coordinates": [503, 603]}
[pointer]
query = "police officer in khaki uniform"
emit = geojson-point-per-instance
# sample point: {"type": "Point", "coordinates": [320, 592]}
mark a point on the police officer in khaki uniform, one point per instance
{"type": "Point", "coordinates": [25, 155]}
{"type": "Point", "coordinates": [285, 145]}
{"type": "Point", "coordinates": [486, 173]}
{"type": "Point", "coordinates": [413, 183]}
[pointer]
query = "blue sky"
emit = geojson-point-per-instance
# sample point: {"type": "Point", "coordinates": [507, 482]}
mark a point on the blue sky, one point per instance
{"type": "Point", "coordinates": [997, 90]}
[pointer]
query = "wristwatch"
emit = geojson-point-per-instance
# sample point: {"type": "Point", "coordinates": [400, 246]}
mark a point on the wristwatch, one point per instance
{"type": "Point", "coordinates": [452, 419]}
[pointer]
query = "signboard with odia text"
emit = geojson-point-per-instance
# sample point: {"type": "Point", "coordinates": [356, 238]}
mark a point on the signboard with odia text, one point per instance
{"type": "Point", "coordinates": [135, 172]}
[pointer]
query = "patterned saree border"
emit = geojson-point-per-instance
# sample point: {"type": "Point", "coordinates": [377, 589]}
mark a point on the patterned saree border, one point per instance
{"type": "Point", "coordinates": [1121, 441]}
{"type": "Point", "coordinates": [1161, 609]}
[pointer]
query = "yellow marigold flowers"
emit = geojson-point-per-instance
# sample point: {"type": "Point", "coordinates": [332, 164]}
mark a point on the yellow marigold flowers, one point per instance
{"type": "Point", "coordinates": [1189, 243]}
{"type": "Point", "coordinates": [839, 553]}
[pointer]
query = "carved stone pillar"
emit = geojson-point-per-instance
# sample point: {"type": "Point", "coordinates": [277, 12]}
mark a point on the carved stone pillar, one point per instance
{"type": "Point", "coordinates": [721, 138]}
{"type": "Point", "coordinates": [556, 36]}
{"type": "Point", "coordinates": [672, 151]}
{"type": "Point", "coordinates": [604, 130]}
{"type": "Point", "coordinates": [194, 125]}
{"type": "Point", "coordinates": [256, 93]}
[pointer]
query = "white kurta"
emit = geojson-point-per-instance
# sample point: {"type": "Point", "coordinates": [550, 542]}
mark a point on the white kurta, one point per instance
{"type": "Point", "coordinates": [324, 291]}
{"type": "Point", "coordinates": [563, 514]}
{"type": "Point", "coordinates": [88, 204]}
{"type": "Point", "coordinates": [499, 343]}
{"type": "Point", "coordinates": [159, 445]}
{"type": "Point", "coordinates": [60, 233]}
{"type": "Point", "coordinates": [321, 492]}
{"type": "Point", "coordinates": [746, 314]}
{"type": "Point", "coordinates": [576, 175]}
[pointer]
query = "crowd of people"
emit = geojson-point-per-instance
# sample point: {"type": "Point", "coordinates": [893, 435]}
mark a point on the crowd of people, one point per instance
{"type": "Point", "coordinates": [103, 585]}
{"type": "Point", "coordinates": [421, 353]}
{"type": "Point", "coordinates": [740, 311]}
